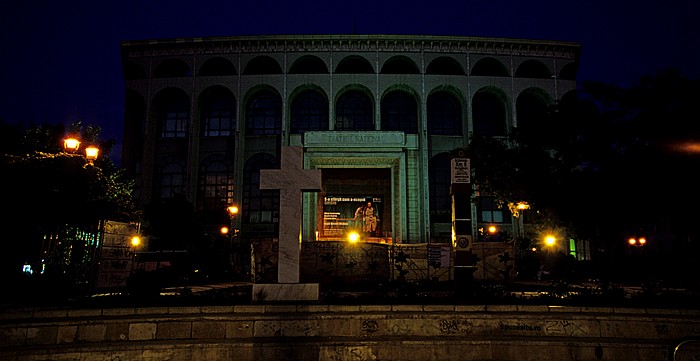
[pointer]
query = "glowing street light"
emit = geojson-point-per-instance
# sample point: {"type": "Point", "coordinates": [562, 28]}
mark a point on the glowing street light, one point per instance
{"type": "Point", "coordinates": [91, 153]}
{"type": "Point", "coordinates": [235, 258]}
{"type": "Point", "coordinates": [637, 242]}
{"type": "Point", "coordinates": [71, 144]}
{"type": "Point", "coordinates": [550, 240]}
{"type": "Point", "coordinates": [135, 241]}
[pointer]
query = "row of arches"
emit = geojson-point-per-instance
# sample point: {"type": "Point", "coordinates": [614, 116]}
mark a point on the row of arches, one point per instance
{"type": "Point", "coordinates": [354, 108]}
{"type": "Point", "coordinates": [352, 64]}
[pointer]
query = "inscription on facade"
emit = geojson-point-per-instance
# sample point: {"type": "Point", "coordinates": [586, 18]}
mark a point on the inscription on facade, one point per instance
{"type": "Point", "coordinates": [354, 139]}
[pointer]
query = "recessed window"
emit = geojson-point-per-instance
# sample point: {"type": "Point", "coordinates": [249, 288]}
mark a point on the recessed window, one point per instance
{"type": "Point", "coordinates": [444, 114]}
{"type": "Point", "coordinates": [216, 185]}
{"type": "Point", "coordinates": [400, 112]}
{"type": "Point", "coordinates": [264, 114]}
{"type": "Point", "coordinates": [354, 111]}
{"type": "Point", "coordinates": [218, 113]}
{"type": "Point", "coordinates": [309, 111]}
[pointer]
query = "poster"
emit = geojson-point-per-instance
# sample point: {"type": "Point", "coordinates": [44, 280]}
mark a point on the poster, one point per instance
{"type": "Point", "coordinates": [339, 213]}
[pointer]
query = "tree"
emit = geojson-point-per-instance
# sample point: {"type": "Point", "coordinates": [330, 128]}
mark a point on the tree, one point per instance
{"type": "Point", "coordinates": [618, 161]}
{"type": "Point", "coordinates": [50, 192]}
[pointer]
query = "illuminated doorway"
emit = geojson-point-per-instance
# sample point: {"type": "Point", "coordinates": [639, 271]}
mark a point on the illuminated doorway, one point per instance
{"type": "Point", "coordinates": [344, 190]}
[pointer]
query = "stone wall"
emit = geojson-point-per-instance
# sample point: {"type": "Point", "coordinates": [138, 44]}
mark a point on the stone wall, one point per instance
{"type": "Point", "coordinates": [335, 332]}
{"type": "Point", "coordinates": [330, 262]}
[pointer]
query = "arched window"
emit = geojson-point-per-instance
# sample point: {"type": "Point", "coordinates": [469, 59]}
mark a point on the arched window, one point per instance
{"type": "Point", "coordinates": [259, 206]}
{"type": "Point", "coordinates": [444, 114]}
{"type": "Point", "coordinates": [354, 111]}
{"type": "Point", "coordinates": [309, 111]}
{"type": "Point", "coordinates": [439, 188]}
{"type": "Point", "coordinates": [173, 113]}
{"type": "Point", "coordinates": [262, 64]}
{"type": "Point", "coordinates": [400, 65]}
{"type": "Point", "coordinates": [488, 114]}
{"type": "Point", "coordinates": [568, 71]}
{"type": "Point", "coordinates": [489, 67]}
{"type": "Point", "coordinates": [532, 110]}
{"type": "Point", "coordinates": [444, 65]}
{"type": "Point", "coordinates": [354, 64]}
{"type": "Point", "coordinates": [217, 66]}
{"type": "Point", "coordinates": [218, 113]}
{"type": "Point", "coordinates": [308, 64]}
{"type": "Point", "coordinates": [264, 114]}
{"type": "Point", "coordinates": [171, 180]}
{"type": "Point", "coordinates": [400, 112]}
{"type": "Point", "coordinates": [172, 68]}
{"type": "Point", "coordinates": [216, 186]}
{"type": "Point", "coordinates": [533, 69]}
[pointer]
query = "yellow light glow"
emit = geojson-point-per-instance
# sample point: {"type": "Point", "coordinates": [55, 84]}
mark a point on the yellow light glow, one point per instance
{"type": "Point", "coordinates": [642, 241]}
{"type": "Point", "coordinates": [135, 241]}
{"type": "Point", "coordinates": [353, 237]}
{"type": "Point", "coordinates": [224, 230]}
{"type": "Point", "coordinates": [632, 241]}
{"type": "Point", "coordinates": [523, 205]}
{"type": "Point", "coordinates": [550, 240]}
{"type": "Point", "coordinates": [71, 144]}
{"type": "Point", "coordinates": [91, 152]}
{"type": "Point", "coordinates": [492, 229]}
{"type": "Point", "coordinates": [232, 210]}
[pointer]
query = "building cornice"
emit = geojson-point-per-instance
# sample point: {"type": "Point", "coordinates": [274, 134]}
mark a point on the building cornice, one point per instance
{"type": "Point", "coordinates": [350, 43]}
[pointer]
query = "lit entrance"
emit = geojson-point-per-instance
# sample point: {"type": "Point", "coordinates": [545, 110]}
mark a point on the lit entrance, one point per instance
{"type": "Point", "coordinates": [343, 203]}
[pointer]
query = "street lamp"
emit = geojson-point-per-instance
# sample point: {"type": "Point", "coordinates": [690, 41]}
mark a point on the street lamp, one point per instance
{"type": "Point", "coordinates": [516, 209]}
{"type": "Point", "coordinates": [91, 153]}
{"type": "Point", "coordinates": [636, 254]}
{"type": "Point", "coordinates": [71, 145]}
{"type": "Point", "coordinates": [234, 257]}
{"type": "Point", "coordinates": [637, 242]}
{"type": "Point", "coordinates": [550, 240]}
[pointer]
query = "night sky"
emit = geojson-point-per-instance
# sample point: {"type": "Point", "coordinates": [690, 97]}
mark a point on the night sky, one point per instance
{"type": "Point", "coordinates": [61, 59]}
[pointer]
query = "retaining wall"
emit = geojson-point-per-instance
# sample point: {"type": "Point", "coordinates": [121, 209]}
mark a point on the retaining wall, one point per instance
{"type": "Point", "coordinates": [339, 332]}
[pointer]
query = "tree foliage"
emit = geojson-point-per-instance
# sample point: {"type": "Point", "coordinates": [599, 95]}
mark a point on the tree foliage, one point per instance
{"type": "Point", "coordinates": [614, 161]}
{"type": "Point", "coordinates": [47, 189]}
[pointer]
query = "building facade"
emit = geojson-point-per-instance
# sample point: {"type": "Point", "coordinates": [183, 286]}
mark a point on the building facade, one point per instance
{"type": "Point", "coordinates": [380, 115]}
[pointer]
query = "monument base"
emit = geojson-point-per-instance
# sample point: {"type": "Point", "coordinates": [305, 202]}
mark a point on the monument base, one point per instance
{"type": "Point", "coordinates": [273, 292]}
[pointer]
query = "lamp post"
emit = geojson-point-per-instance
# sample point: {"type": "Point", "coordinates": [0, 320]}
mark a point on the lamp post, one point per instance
{"type": "Point", "coordinates": [235, 257]}
{"type": "Point", "coordinates": [87, 256]}
{"type": "Point", "coordinates": [636, 246]}
{"type": "Point", "coordinates": [516, 209]}
{"type": "Point", "coordinates": [71, 145]}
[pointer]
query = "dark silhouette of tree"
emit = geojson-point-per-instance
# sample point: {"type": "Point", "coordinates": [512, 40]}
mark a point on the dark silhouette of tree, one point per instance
{"type": "Point", "coordinates": [617, 162]}
{"type": "Point", "coordinates": [47, 191]}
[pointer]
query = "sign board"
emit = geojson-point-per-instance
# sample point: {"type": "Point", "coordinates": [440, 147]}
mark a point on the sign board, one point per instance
{"type": "Point", "coordinates": [339, 213]}
{"type": "Point", "coordinates": [461, 171]}
{"type": "Point", "coordinates": [116, 255]}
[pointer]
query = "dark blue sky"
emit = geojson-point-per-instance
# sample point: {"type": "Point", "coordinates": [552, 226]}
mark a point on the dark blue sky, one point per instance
{"type": "Point", "coordinates": [61, 59]}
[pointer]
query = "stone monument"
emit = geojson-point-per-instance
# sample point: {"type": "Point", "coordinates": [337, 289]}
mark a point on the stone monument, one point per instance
{"type": "Point", "coordinates": [291, 180]}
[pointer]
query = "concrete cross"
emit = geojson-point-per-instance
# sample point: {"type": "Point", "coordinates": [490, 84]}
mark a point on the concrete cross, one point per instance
{"type": "Point", "coordinates": [291, 179]}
